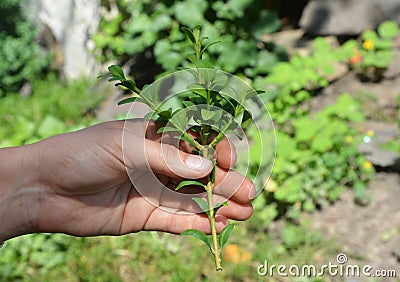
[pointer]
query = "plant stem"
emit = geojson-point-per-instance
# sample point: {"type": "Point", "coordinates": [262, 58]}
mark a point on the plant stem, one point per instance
{"type": "Point", "coordinates": [216, 251]}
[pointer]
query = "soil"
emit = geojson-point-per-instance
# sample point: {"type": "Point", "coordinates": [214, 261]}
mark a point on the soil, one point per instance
{"type": "Point", "coordinates": [367, 234]}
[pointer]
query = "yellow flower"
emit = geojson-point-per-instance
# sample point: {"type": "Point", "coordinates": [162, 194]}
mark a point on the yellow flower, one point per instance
{"type": "Point", "coordinates": [370, 133]}
{"type": "Point", "coordinates": [368, 45]}
{"type": "Point", "coordinates": [349, 139]}
{"type": "Point", "coordinates": [367, 165]}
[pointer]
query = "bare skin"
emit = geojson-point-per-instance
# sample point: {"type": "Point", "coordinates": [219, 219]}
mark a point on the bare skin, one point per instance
{"type": "Point", "coordinates": [78, 183]}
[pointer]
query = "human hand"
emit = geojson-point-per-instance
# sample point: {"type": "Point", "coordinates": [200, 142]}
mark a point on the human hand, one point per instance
{"type": "Point", "coordinates": [86, 189]}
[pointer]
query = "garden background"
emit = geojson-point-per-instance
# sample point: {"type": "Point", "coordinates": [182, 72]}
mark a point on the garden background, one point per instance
{"type": "Point", "coordinates": [331, 73]}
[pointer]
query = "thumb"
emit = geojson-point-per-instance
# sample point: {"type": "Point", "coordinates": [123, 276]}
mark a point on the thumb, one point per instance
{"type": "Point", "coordinates": [170, 161]}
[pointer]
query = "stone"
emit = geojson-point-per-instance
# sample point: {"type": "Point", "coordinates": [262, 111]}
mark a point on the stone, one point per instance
{"type": "Point", "coordinates": [371, 147]}
{"type": "Point", "coordinates": [347, 17]}
{"type": "Point", "coordinates": [72, 22]}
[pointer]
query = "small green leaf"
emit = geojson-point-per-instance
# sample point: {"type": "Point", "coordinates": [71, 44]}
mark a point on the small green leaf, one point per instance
{"type": "Point", "coordinates": [188, 104]}
{"type": "Point", "coordinates": [246, 119]}
{"type": "Point", "coordinates": [187, 139]}
{"type": "Point", "coordinates": [197, 234]}
{"type": "Point", "coordinates": [207, 46]}
{"type": "Point", "coordinates": [167, 129]}
{"type": "Point", "coordinates": [225, 234]}
{"type": "Point", "coordinates": [214, 162]}
{"type": "Point", "coordinates": [220, 205]}
{"type": "Point", "coordinates": [127, 100]}
{"type": "Point", "coordinates": [130, 84]}
{"type": "Point", "coordinates": [202, 204]}
{"type": "Point", "coordinates": [191, 58]}
{"type": "Point", "coordinates": [189, 182]}
{"type": "Point", "coordinates": [197, 89]}
{"type": "Point", "coordinates": [117, 72]}
{"type": "Point", "coordinates": [206, 114]}
{"type": "Point", "coordinates": [166, 115]}
{"type": "Point", "coordinates": [189, 34]}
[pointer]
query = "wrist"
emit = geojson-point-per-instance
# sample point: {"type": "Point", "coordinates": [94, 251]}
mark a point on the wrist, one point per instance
{"type": "Point", "coordinates": [20, 191]}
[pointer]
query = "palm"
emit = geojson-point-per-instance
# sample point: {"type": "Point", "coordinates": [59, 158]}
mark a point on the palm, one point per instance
{"type": "Point", "coordinates": [89, 191]}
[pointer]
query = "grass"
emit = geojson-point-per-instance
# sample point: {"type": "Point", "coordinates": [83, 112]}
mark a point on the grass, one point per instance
{"type": "Point", "coordinates": [152, 256]}
{"type": "Point", "coordinates": [54, 107]}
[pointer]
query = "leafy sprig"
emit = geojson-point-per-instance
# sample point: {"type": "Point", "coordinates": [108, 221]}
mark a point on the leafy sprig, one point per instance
{"type": "Point", "coordinates": [221, 112]}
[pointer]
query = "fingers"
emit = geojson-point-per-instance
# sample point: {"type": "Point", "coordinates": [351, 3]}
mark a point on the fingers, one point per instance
{"type": "Point", "coordinates": [164, 159]}
{"type": "Point", "coordinates": [234, 185]}
{"type": "Point", "coordinates": [172, 201]}
{"type": "Point", "coordinates": [162, 220]}
{"type": "Point", "coordinates": [226, 154]}
{"type": "Point", "coordinates": [225, 151]}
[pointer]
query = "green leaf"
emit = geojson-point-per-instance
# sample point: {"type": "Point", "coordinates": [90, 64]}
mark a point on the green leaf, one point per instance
{"type": "Point", "coordinates": [127, 100]}
{"type": "Point", "coordinates": [225, 234]}
{"type": "Point", "coordinates": [130, 84]}
{"type": "Point", "coordinates": [220, 205]}
{"type": "Point", "coordinates": [166, 115]}
{"type": "Point", "coordinates": [198, 89]}
{"type": "Point", "coordinates": [206, 114]}
{"type": "Point", "coordinates": [388, 29]}
{"type": "Point", "coordinates": [197, 234]}
{"type": "Point", "coordinates": [167, 129]}
{"type": "Point", "coordinates": [188, 32]}
{"type": "Point", "coordinates": [202, 204]}
{"type": "Point", "coordinates": [207, 46]}
{"type": "Point", "coordinates": [189, 182]}
{"type": "Point", "coordinates": [117, 72]}
{"type": "Point", "coordinates": [188, 104]}
{"type": "Point", "coordinates": [246, 119]}
{"type": "Point", "coordinates": [187, 139]}
{"type": "Point", "coordinates": [213, 172]}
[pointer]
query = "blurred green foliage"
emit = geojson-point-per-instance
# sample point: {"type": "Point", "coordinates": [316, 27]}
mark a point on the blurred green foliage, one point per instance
{"type": "Point", "coordinates": [153, 27]}
{"type": "Point", "coordinates": [54, 107]}
{"type": "Point", "coordinates": [375, 50]}
{"type": "Point", "coordinates": [21, 57]}
{"type": "Point", "coordinates": [152, 256]}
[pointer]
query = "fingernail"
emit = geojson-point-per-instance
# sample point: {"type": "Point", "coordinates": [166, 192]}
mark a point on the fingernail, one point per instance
{"type": "Point", "coordinates": [252, 192]}
{"type": "Point", "coordinates": [198, 163]}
